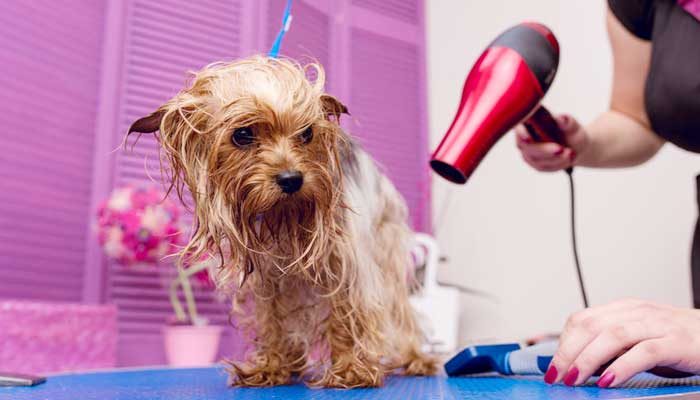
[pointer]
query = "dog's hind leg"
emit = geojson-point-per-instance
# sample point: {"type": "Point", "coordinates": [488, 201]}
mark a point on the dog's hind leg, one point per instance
{"type": "Point", "coordinates": [391, 253]}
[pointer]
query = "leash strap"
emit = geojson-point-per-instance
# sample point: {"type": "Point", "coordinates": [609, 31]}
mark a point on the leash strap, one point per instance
{"type": "Point", "coordinates": [286, 23]}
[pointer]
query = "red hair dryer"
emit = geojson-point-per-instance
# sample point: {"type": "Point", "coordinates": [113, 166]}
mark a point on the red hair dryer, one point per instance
{"type": "Point", "coordinates": [504, 88]}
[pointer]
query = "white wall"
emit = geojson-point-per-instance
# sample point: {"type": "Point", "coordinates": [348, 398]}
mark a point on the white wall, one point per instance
{"type": "Point", "coordinates": [507, 230]}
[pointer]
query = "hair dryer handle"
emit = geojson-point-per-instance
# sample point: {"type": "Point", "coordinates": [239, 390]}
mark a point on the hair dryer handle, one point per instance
{"type": "Point", "coordinates": [542, 127]}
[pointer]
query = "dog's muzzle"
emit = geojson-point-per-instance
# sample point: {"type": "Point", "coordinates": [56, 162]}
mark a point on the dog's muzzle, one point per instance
{"type": "Point", "coordinates": [290, 181]}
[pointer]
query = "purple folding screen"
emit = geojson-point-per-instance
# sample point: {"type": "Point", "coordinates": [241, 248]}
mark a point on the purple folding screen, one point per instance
{"type": "Point", "coordinates": [373, 53]}
{"type": "Point", "coordinates": [50, 78]}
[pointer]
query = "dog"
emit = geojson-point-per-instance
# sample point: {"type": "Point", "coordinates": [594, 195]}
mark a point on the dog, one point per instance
{"type": "Point", "coordinates": [314, 237]}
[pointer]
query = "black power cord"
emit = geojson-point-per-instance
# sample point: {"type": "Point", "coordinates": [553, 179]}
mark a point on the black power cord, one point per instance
{"type": "Point", "coordinates": [574, 245]}
{"type": "Point", "coordinates": [543, 127]}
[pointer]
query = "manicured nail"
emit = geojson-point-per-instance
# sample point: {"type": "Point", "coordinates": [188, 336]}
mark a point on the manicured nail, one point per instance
{"type": "Point", "coordinates": [559, 151]}
{"type": "Point", "coordinates": [551, 374]}
{"type": "Point", "coordinates": [567, 121]}
{"type": "Point", "coordinates": [605, 380]}
{"type": "Point", "coordinates": [571, 376]}
{"type": "Point", "coordinates": [564, 121]}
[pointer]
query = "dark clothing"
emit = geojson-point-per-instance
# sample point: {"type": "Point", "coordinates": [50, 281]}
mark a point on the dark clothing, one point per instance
{"type": "Point", "coordinates": [672, 92]}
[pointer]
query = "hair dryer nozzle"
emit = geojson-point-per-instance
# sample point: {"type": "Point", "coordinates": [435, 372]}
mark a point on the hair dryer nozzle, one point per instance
{"type": "Point", "coordinates": [505, 86]}
{"type": "Point", "coordinates": [447, 171]}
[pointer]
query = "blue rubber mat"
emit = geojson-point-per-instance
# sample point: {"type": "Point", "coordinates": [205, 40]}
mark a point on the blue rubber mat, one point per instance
{"type": "Point", "coordinates": [210, 384]}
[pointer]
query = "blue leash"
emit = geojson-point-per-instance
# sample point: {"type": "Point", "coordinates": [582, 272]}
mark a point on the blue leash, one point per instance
{"type": "Point", "coordinates": [286, 22]}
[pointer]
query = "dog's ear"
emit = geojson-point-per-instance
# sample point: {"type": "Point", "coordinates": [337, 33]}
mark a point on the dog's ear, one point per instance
{"type": "Point", "coordinates": [148, 124]}
{"type": "Point", "coordinates": [332, 107]}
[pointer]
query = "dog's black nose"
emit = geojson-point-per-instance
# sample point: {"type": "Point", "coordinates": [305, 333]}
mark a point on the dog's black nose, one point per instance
{"type": "Point", "coordinates": [290, 181]}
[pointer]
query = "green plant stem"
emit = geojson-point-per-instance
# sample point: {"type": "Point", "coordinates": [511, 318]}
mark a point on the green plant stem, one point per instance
{"type": "Point", "coordinates": [183, 279]}
{"type": "Point", "coordinates": [175, 302]}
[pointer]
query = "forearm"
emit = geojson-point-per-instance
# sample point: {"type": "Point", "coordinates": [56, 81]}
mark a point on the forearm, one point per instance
{"type": "Point", "coordinates": [617, 140]}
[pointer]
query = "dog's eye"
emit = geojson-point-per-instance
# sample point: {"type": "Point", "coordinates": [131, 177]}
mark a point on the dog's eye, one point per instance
{"type": "Point", "coordinates": [242, 137]}
{"type": "Point", "coordinates": [307, 135]}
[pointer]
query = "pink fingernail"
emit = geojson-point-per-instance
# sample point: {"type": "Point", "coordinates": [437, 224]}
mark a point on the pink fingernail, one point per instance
{"type": "Point", "coordinates": [551, 375]}
{"type": "Point", "coordinates": [605, 380]}
{"type": "Point", "coordinates": [559, 151]}
{"type": "Point", "coordinates": [571, 376]}
{"type": "Point", "coordinates": [564, 122]}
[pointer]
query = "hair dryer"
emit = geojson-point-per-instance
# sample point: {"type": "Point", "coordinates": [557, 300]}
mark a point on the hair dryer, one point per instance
{"type": "Point", "coordinates": [504, 88]}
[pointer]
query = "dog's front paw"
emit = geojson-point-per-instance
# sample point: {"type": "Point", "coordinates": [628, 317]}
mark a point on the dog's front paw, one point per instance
{"type": "Point", "coordinates": [350, 376]}
{"type": "Point", "coordinates": [420, 364]}
{"type": "Point", "coordinates": [246, 375]}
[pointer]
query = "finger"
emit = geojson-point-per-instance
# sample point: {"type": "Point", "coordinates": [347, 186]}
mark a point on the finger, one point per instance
{"type": "Point", "coordinates": [526, 142]}
{"type": "Point", "coordinates": [540, 165]}
{"type": "Point", "coordinates": [523, 138]}
{"type": "Point", "coordinates": [561, 369]}
{"type": "Point", "coordinates": [643, 356]}
{"type": "Point", "coordinates": [548, 165]}
{"type": "Point", "coordinates": [564, 121]}
{"type": "Point", "coordinates": [546, 151]}
{"type": "Point", "coordinates": [559, 155]}
{"type": "Point", "coordinates": [567, 124]}
{"type": "Point", "coordinates": [560, 161]}
{"type": "Point", "coordinates": [541, 150]}
{"type": "Point", "coordinates": [569, 155]}
{"type": "Point", "coordinates": [580, 330]}
{"type": "Point", "coordinates": [608, 344]}
{"type": "Point", "coordinates": [624, 306]}
{"type": "Point", "coordinates": [522, 135]}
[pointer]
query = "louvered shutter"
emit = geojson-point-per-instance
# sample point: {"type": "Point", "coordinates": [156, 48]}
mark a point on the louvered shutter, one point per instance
{"type": "Point", "coordinates": [387, 93]}
{"type": "Point", "coordinates": [50, 84]}
{"type": "Point", "coordinates": [162, 41]}
{"type": "Point", "coordinates": [309, 39]}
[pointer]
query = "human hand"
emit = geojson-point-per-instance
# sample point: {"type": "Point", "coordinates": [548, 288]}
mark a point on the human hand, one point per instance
{"type": "Point", "coordinates": [643, 334]}
{"type": "Point", "coordinates": [552, 156]}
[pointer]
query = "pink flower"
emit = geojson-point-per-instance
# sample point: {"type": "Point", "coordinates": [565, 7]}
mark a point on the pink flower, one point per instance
{"type": "Point", "coordinates": [204, 279]}
{"type": "Point", "coordinates": [138, 225]}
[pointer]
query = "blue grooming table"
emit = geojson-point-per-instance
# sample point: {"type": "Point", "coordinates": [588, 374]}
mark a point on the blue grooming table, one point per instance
{"type": "Point", "coordinates": [210, 384]}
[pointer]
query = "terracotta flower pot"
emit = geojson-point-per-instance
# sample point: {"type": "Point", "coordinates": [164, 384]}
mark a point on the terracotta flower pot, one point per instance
{"type": "Point", "coordinates": [191, 346]}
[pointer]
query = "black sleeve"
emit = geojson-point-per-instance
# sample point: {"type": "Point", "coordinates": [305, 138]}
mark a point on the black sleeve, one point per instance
{"type": "Point", "coordinates": [636, 15]}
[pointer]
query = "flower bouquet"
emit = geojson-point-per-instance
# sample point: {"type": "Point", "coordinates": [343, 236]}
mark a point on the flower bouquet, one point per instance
{"type": "Point", "coordinates": [141, 226]}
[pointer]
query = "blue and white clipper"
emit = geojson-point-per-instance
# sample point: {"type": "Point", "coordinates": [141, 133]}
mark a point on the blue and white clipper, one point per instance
{"type": "Point", "coordinates": [506, 359]}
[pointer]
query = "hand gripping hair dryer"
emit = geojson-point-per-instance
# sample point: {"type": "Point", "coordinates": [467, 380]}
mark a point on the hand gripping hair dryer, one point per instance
{"type": "Point", "coordinates": [504, 88]}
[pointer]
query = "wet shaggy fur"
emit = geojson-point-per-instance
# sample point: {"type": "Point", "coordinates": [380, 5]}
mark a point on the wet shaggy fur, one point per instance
{"type": "Point", "coordinates": [318, 276]}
